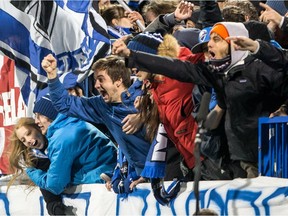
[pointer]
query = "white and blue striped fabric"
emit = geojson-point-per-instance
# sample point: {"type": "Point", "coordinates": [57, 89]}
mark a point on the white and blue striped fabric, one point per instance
{"type": "Point", "coordinates": [71, 30]}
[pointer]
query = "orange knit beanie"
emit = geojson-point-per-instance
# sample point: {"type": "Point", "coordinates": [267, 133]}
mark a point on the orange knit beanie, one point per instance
{"type": "Point", "coordinates": [220, 30]}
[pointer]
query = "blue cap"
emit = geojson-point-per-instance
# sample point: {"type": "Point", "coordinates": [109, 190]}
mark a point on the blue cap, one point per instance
{"type": "Point", "coordinates": [204, 37]}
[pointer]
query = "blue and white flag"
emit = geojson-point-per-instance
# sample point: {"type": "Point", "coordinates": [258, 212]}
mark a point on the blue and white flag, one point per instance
{"type": "Point", "coordinates": [71, 30]}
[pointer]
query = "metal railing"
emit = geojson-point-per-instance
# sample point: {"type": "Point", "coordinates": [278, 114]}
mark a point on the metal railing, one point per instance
{"type": "Point", "coordinates": [273, 147]}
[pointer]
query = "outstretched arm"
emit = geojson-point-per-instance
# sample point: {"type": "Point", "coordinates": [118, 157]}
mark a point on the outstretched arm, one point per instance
{"type": "Point", "coordinates": [272, 56]}
{"type": "Point", "coordinates": [244, 43]}
{"type": "Point", "coordinates": [183, 71]}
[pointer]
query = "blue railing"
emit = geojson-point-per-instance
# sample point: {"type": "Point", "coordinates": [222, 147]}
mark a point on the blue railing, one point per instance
{"type": "Point", "coordinates": [273, 147]}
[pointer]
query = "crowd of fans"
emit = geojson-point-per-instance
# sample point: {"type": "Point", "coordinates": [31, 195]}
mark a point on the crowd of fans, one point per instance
{"type": "Point", "coordinates": [147, 96]}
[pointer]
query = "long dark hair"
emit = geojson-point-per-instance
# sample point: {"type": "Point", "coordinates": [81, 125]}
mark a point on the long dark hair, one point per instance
{"type": "Point", "coordinates": [148, 108]}
{"type": "Point", "coordinates": [149, 111]}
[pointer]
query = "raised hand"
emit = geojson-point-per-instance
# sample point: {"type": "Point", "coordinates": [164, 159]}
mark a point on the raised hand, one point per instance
{"type": "Point", "coordinates": [134, 16]}
{"type": "Point", "coordinates": [49, 64]}
{"type": "Point", "coordinates": [270, 16]}
{"type": "Point", "coordinates": [184, 10]}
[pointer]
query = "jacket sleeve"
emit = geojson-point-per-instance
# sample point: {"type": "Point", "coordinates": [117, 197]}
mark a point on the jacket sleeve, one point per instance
{"type": "Point", "coordinates": [58, 176]}
{"type": "Point", "coordinates": [272, 56]}
{"type": "Point", "coordinates": [162, 24]}
{"type": "Point", "coordinates": [209, 13]}
{"type": "Point", "coordinates": [79, 107]}
{"type": "Point", "coordinates": [284, 26]}
{"type": "Point", "coordinates": [183, 71]}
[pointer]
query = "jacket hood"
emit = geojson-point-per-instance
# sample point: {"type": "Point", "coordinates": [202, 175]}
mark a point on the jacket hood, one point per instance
{"type": "Point", "coordinates": [60, 122]}
{"type": "Point", "coordinates": [235, 29]}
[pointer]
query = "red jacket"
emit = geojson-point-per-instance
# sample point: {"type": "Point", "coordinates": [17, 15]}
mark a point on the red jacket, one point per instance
{"type": "Point", "coordinates": [175, 105]}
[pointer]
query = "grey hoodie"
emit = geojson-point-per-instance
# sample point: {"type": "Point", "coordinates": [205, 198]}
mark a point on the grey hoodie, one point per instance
{"type": "Point", "coordinates": [236, 29]}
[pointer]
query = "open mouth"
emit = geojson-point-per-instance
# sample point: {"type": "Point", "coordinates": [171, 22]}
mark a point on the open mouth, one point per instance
{"type": "Point", "coordinates": [211, 54]}
{"type": "Point", "coordinates": [35, 143]}
{"type": "Point", "coordinates": [104, 94]}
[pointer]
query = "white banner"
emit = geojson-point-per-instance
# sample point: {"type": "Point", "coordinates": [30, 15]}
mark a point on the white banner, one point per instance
{"type": "Point", "coordinates": [259, 196]}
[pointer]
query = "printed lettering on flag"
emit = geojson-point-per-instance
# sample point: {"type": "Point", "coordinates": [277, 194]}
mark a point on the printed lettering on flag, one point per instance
{"type": "Point", "coordinates": [11, 107]}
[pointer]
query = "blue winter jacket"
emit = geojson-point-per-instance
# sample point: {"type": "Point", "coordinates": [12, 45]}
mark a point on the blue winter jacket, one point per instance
{"type": "Point", "coordinates": [78, 153]}
{"type": "Point", "coordinates": [95, 110]}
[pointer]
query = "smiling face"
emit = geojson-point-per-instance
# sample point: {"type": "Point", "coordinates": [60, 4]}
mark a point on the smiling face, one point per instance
{"type": "Point", "coordinates": [108, 89]}
{"type": "Point", "coordinates": [31, 137]}
{"type": "Point", "coordinates": [218, 48]}
{"type": "Point", "coordinates": [43, 122]}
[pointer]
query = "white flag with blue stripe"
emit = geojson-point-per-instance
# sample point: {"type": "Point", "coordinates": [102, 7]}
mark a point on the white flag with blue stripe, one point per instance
{"type": "Point", "coordinates": [71, 30]}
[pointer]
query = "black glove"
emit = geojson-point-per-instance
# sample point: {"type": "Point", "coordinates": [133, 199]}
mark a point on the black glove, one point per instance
{"type": "Point", "coordinates": [161, 195]}
{"type": "Point", "coordinates": [157, 188]}
{"type": "Point", "coordinates": [56, 208]}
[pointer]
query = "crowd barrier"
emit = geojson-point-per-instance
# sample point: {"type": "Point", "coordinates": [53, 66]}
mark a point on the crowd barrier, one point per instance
{"type": "Point", "coordinates": [273, 147]}
{"type": "Point", "coordinates": [258, 196]}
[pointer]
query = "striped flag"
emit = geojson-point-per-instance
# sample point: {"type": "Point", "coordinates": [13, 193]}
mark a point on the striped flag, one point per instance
{"type": "Point", "coordinates": [70, 30]}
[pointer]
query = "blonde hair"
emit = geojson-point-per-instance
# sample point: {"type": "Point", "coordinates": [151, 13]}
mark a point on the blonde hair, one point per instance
{"type": "Point", "coordinates": [20, 156]}
{"type": "Point", "coordinates": [169, 47]}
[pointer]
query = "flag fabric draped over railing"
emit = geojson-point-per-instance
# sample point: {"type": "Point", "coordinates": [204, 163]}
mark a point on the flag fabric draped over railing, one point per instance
{"type": "Point", "coordinates": [69, 29]}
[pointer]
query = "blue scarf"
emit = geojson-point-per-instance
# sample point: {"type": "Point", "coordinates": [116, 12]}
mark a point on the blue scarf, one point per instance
{"type": "Point", "coordinates": [156, 160]}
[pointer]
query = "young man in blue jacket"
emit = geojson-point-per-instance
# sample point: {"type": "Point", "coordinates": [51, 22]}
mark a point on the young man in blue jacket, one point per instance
{"type": "Point", "coordinates": [112, 82]}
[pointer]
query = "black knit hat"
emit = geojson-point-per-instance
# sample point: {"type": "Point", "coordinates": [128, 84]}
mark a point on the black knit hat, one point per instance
{"type": "Point", "coordinates": [258, 30]}
{"type": "Point", "coordinates": [146, 42]}
{"type": "Point", "coordinates": [45, 107]}
{"type": "Point", "coordinates": [195, 16]}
